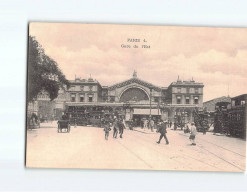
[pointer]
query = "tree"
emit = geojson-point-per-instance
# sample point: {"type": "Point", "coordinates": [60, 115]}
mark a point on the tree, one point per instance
{"type": "Point", "coordinates": [43, 73]}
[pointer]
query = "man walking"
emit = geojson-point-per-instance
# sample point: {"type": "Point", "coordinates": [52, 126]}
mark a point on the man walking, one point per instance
{"type": "Point", "coordinates": [115, 128]}
{"type": "Point", "coordinates": [162, 130]}
{"type": "Point", "coordinates": [145, 124]}
{"type": "Point", "coordinates": [107, 128]}
{"type": "Point", "coordinates": [193, 133]}
{"type": "Point", "coordinates": [151, 124]}
{"type": "Point", "coordinates": [121, 127]}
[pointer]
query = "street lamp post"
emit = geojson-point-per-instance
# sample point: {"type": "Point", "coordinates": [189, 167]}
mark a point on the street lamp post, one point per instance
{"type": "Point", "coordinates": [150, 115]}
{"type": "Point", "coordinates": [158, 107]}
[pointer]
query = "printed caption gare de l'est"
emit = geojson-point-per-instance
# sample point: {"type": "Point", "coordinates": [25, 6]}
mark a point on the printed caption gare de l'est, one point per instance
{"type": "Point", "coordinates": [142, 42]}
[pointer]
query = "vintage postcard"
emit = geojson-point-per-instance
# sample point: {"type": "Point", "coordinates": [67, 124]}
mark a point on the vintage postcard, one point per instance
{"type": "Point", "coordinates": [136, 97]}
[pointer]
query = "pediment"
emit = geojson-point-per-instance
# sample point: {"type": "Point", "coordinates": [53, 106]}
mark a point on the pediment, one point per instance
{"type": "Point", "coordinates": [137, 81]}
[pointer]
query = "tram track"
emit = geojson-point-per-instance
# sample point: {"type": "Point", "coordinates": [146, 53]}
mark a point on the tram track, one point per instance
{"type": "Point", "coordinates": [219, 157]}
{"type": "Point", "coordinates": [144, 140]}
{"type": "Point", "coordinates": [136, 155]}
{"type": "Point", "coordinates": [222, 159]}
{"type": "Point", "coordinates": [217, 146]}
{"type": "Point", "coordinates": [212, 153]}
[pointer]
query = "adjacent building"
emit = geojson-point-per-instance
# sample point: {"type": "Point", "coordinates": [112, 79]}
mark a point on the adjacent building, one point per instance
{"type": "Point", "coordinates": [210, 105]}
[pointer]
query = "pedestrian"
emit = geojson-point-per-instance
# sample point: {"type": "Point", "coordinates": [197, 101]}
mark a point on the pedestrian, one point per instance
{"type": "Point", "coordinates": [131, 125]}
{"type": "Point", "coordinates": [124, 123]}
{"type": "Point", "coordinates": [145, 124]}
{"type": "Point", "coordinates": [135, 123]}
{"type": "Point", "coordinates": [162, 130]}
{"type": "Point", "coordinates": [107, 129]}
{"type": "Point", "coordinates": [64, 116]}
{"type": "Point", "coordinates": [151, 124]}
{"type": "Point", "coordinates": [193, 133]}
{"type": "Point", "coordinates": [121, 128]}
{"type": "Point", "coordinates": [115, 128]}
{"type": "Point", "coordinates": [187, 127]}
{"type": "Point", "coordinates": [142, 123]}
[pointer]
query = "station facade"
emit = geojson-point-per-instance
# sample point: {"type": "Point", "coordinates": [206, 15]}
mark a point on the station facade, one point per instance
{"type": "Point", "coordinates": [137, 99]}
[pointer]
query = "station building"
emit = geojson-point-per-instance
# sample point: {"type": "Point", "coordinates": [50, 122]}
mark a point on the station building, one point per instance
{"type": "Point", "coordinates": [135, 98]}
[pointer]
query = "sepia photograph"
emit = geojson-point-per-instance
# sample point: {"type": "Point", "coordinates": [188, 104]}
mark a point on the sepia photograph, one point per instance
{"type": "Point", "coordinates": [136, 97]}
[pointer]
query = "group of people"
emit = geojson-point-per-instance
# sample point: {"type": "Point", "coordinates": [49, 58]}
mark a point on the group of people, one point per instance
{"type": "Point", "coordinates": [190, 127]}
{"type": "Point", "coordinates": [118, 126]}
{"type": "Point", "coordinates": [148, 124]}
{"type": "Point", "coordinates": [162, 126]}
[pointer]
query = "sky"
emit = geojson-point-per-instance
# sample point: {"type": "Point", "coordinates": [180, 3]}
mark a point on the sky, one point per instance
{"type": "Point", "coordinates": [216, 57]}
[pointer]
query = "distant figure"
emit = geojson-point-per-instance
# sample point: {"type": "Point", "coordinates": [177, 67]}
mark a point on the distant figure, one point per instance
{"type": "Point", "coordinates": [151, 124]}
{"type": "Point", "coordinates": [193, 133]}
{"type": "Point", "coordinates": [135, 122]}
{"type": "Point", "coordinates": [145, 125]}
{"type": "Point", "coordinates": [131, 125]}
{"type": "Point", "coordinates": [107, 129]}
{"type": "Point", "coordinates": [115, 128]}
{"type": "Point", "coordinates": [162, 130]}
{"type": "Point", "coordinates": [142, 123]}
{"type": "Point", "coordinates": [121, 128]}
{"type": "Point", "coordinates": [170, 124]}
{"type": "Point", "coordinates": [124, 123]}
{"type": "Point", "coordinates": [187, 127]}
{"type": "Point", "coordinates": [64, 117]}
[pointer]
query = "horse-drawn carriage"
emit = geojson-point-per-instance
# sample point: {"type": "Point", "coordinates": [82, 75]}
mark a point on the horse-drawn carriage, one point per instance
{"type": "Point", "coordinates": [63, 124]}
{"type": "Point", "coordinates": [33, 121]}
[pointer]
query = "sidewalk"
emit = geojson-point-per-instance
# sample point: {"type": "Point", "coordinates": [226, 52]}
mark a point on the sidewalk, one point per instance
{"type": "Point", "coordinates": [146, 131]}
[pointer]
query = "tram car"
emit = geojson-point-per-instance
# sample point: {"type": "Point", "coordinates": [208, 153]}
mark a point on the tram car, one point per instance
{"type": "Point", "coordinates": [237, 116]}
{"type": "Point", "coordinates": [107, 118]}
{"type": "Point", "coordinates": [78, 115]}
{"type": "Point", "coordinates": [95, 118]}
{"type": "Point", "coordinates": [179, 121]}
{"type": "Point", "coordinates": [221, 122]}
{"type": "Point", "coordinates": [93, 115]}
{"type": "Point", "coordinates": [201, 119]}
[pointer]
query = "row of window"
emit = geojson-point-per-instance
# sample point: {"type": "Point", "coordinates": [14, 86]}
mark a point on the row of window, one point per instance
{"type": "Point", "coordinates": [43, 97]}
{"type": "Point", "coordinates": [73, 98]}
{"type": "Point", "coordinates": [238, 102]}
{"type": "Point", "coordinates": [236, 117]}
{"type": "Point", "coordinates": [82, 88]}
{"type": "Point", "coordinates": [48, 98]}
{"type": "Point", "coordinates": [112, 99]}
{"type": "Point", "coordinates": [187, 100]}
{"type": "Point", "coordinates": [188, 90]}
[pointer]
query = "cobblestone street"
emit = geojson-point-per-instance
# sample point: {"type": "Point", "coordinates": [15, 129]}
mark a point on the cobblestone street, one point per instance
{"type": "Point", "coordinates": [85, 147]}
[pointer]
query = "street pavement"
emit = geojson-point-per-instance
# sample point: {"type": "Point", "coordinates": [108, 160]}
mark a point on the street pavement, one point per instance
{"type": "Point", "coordinates": [86, 147]}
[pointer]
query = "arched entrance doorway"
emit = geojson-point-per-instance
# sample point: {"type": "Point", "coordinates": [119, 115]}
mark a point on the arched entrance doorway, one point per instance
{"type": "Point", "coordinates": [135, 95]}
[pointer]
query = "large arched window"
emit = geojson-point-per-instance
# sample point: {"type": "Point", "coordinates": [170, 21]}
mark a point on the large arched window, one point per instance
{"type": "Point", "coordinates": [134, 94]}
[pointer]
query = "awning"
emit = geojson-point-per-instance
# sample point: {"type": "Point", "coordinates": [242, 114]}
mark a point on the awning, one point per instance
{"type": "Point", "coordinates": [187, 98]}
{"type": "Point", "coordinates": [178, 97]}
{"type": "Point", "coordinates": [146, 111]}
{"type": "Point", "coordinates": [196, 98]}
